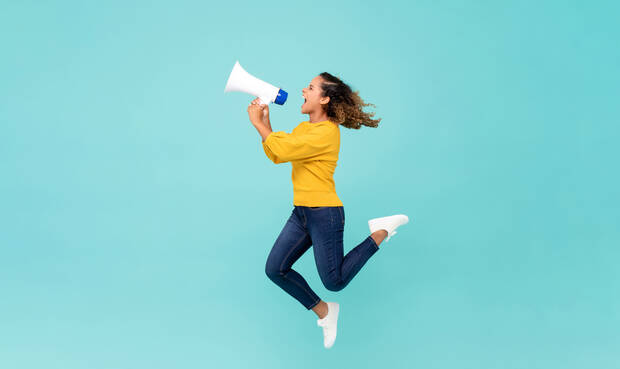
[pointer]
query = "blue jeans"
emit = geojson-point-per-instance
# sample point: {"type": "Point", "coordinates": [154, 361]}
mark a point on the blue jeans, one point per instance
{"type": "Point", "coordinates": [321, 227]}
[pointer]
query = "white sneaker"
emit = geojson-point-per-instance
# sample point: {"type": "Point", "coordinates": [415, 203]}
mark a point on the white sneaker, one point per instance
{"type": "Point", "coordinates": [388, 224]}
{"type": "Point", "coordinates": [330, 324]}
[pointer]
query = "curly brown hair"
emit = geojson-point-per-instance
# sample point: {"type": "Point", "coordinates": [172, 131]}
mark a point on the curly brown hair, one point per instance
{"type": "Point", "coordinates": [345, 106]}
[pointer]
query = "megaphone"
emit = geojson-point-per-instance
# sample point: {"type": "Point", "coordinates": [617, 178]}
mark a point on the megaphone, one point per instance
{"type": "Point", "coordinates": [240, 80]}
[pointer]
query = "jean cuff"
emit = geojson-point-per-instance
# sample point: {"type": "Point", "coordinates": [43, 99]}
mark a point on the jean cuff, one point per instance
{"type": "Point", "coordinates": [372, 242]}
{"type": "Point", "coordinates": [315, 304]}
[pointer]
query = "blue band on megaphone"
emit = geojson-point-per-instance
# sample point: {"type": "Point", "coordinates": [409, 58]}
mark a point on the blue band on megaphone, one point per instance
{"type": "Point", "coordinates": [281, 98]}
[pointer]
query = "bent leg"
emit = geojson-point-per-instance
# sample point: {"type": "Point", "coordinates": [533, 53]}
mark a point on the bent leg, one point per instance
{"type": "Point", "coordinates": [327, 232]}
{"type": "Point", "coordinates": [290, 245]}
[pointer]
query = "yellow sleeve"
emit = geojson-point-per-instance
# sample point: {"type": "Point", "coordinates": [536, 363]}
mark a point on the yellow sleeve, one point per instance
{"type": "Point", "coordinates": [282, 147]}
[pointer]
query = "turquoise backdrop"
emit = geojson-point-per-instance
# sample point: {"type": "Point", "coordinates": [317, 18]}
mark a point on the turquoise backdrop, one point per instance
{"type": "Point", "coordinates": [137, 207]}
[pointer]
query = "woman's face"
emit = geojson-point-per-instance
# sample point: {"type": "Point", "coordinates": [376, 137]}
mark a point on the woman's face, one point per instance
{"type": "Point", "coordinates": [312, 97]}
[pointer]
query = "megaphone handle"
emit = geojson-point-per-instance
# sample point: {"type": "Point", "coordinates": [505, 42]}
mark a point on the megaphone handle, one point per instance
{"type": "Point", "coordinates": [263, 102]}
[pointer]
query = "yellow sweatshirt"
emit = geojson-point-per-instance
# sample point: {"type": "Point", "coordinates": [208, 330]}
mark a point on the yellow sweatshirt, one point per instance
{"type": "Point", "coordinates": [312, 149]}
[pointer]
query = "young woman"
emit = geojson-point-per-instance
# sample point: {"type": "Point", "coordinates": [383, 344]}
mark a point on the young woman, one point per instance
{"type": "Point", "coordinates": [318, 215]}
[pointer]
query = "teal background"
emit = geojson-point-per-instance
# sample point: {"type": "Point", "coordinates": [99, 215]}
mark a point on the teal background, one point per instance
{"type": "Point", "coordinates": [137, 207]}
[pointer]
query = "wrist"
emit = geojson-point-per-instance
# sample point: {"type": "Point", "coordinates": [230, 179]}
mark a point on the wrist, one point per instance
{"type": "Point", "coordinates": [261, 122]}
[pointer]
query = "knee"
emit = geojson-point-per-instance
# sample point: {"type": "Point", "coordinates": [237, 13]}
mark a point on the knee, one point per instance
{"type": "Point", "coordinates": [333, 285]}
{"type": "Point", "coordinates": [272, 270]}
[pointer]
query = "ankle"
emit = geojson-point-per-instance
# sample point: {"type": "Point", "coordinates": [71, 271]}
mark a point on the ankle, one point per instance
{"type": "Point", "coordinates": [320, 309]}
{"type": "Point", "coordinates": [379, 236]}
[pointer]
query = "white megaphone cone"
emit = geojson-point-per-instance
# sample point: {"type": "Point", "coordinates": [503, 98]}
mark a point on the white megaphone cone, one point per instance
{"type": "Point", "coordinates": [240, 80]}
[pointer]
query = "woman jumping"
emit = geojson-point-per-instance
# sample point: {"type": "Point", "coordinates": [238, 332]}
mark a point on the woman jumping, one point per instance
{"type": "Point", "coordinates": [318, 215]}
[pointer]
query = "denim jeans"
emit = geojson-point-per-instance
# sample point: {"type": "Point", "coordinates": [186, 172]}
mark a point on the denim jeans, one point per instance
{"type": "Point", "coordinates": [320, 227]}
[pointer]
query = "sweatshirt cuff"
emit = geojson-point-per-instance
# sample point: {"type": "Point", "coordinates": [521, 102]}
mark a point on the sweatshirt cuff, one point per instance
{"type": "Point", "coordinates": [266, 138]}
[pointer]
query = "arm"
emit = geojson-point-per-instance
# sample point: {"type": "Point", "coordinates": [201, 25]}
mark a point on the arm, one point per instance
{"type": "Point", "coordinates": [282, 147]}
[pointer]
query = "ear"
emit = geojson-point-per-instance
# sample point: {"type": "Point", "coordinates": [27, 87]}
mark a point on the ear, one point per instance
{"type": "Point", "coordinates": [324, 100]}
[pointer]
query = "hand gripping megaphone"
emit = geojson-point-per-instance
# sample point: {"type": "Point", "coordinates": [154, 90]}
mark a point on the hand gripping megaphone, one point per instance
{"type": "Point", "coordinates": [240, 80]}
